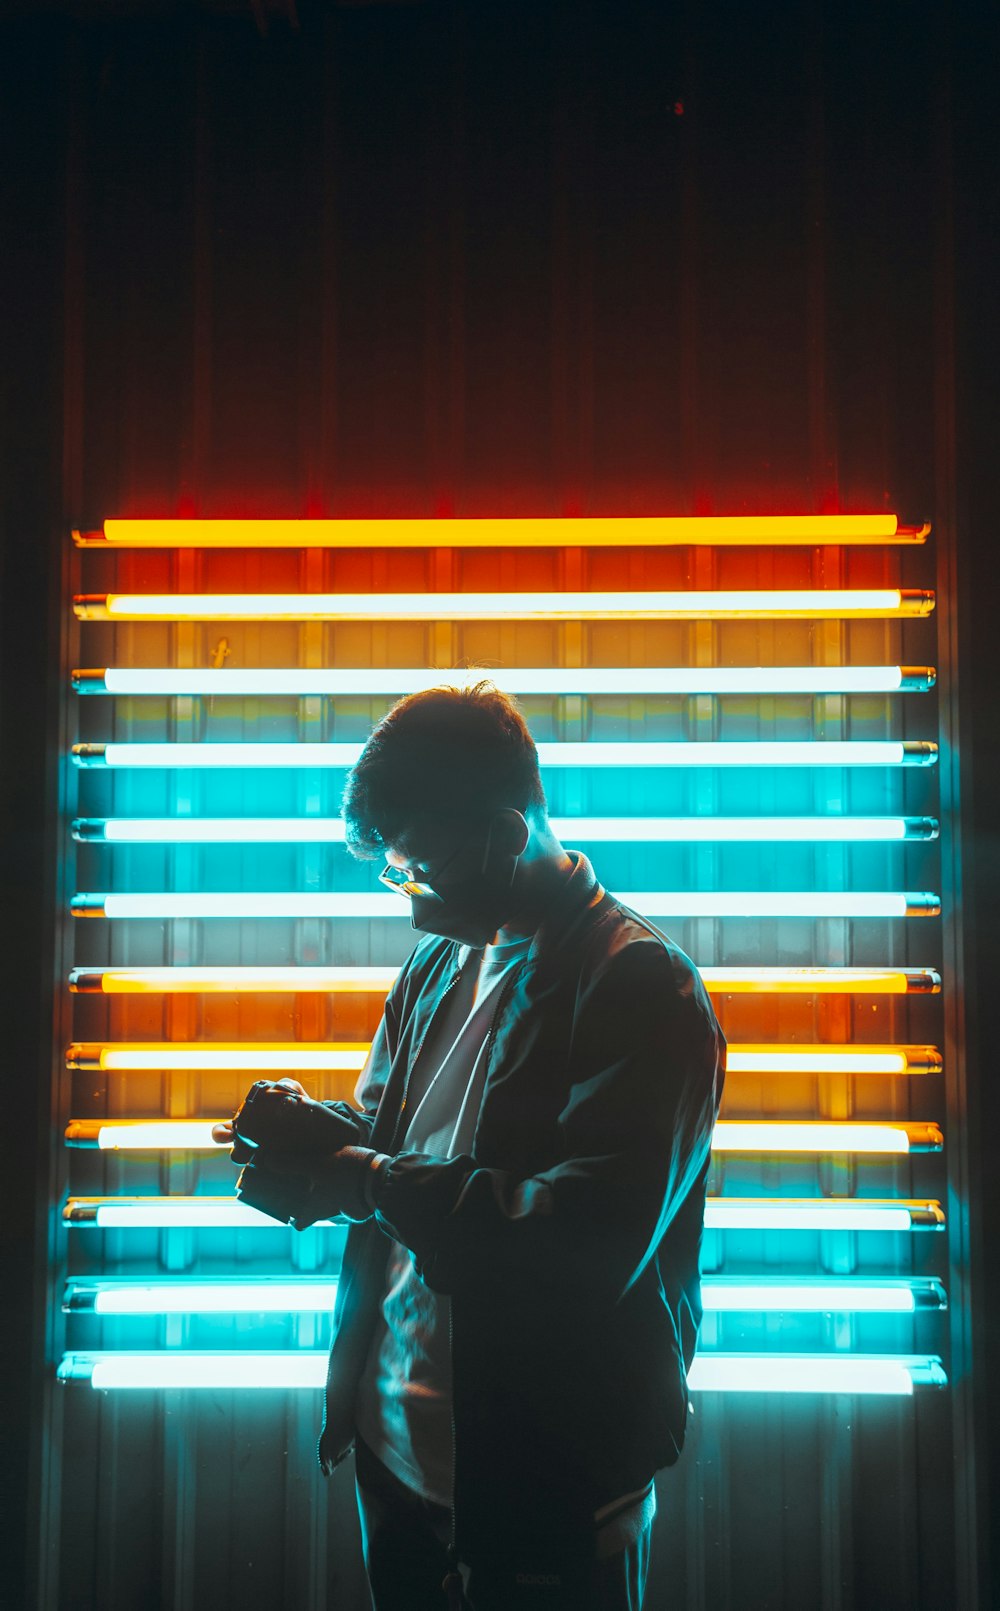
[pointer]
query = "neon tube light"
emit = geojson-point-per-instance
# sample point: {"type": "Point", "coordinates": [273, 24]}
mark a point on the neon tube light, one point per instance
{"type": "Point", "coordinates": [214, 981]}
{"type": "Point", "coordinates": [556, 680]}
{"type": "Point", "coordinates": [569, 605]}
{"type": "Point", "coordinates": [721, 1214]}
{"type": "Point", "coordinates": [825, 1059]}
{"type": "Point", "coordinates": [808, 1135]}
{"type": "Point", "coordinates": [265, 1295]}
{"type": "Point", "coordinates": [604, 531]}
{"type": "Point", "coordinates": [823, 1136]}
{"type": "Point", "coordinates": [252, 1056]}
{"type": "Point", "coordinates": [178, 1213]}
{"type": "Point", "coordinates": [822, 1214]}
{"type": "Point", "coordinates": [751, 904]}
{"type": "Point", "coordinates": [593, 752]}
{"type": "Point", "coordinates": [641, 830]}
{"type": "Point", "coordinates": [260, 1056]}
{"type": "Point", "coordinates": [720, 1295]}
{"type": "Point", "coordinates": [798, 1295]}
{"type": "Point", "coordinates": [884, 1374]}
{"type": "Point", "coordinates": [308, 980]}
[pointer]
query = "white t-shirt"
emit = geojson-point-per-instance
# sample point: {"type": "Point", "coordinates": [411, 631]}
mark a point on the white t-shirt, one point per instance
{"type": "Point", "coordinates": [403, 1409]}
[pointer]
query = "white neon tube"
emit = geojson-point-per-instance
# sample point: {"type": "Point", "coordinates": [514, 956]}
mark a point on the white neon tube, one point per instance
{"type": "Point", "coordinates": [721, 1214]}
{"type": "Point", "coordinates": [177, 1213]}
{"type": "Point", "coordinates": [557, 680]}
{"type": "Point", "coordinates": [564, 605]}
{"type": "Point", "coordinates": [638, 830]}
{"type": "Point", "coordinates": [887, 1374]}
{"type": "Point", "coordinates": [651, 903]}
{"type": "Point", "coordinates": [262, 1296]}
{"type": "Point", "coordinates": [757, 1136]}
{"type": "Point", "coordinates": [591, 752]}
{"type": "Point", "coordinates": [821, 1214]}
{"type": "Point", "coordinates": [821, 1136]}
{"type": "Point", "coordinates": [883, 1374]}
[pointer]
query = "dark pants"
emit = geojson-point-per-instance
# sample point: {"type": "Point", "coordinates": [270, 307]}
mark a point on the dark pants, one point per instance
{"type": "Point", "coordinates": [405, 1540]}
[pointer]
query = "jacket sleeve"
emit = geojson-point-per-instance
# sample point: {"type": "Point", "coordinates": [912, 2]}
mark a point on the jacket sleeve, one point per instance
{"type": "Point", "coordinates": [633, 1139]}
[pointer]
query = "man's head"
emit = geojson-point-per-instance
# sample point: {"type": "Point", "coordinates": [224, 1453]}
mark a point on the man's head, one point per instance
{"type": "Point", "coordinates": [447, 788]}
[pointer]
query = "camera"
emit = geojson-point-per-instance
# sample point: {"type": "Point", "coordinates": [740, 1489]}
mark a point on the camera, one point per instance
{"type": "Point", "coordinates": [280, 1136]}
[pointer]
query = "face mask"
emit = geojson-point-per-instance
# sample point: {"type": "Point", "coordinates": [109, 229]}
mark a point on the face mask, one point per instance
{"type": "Point", "coordinates": [473, 911]}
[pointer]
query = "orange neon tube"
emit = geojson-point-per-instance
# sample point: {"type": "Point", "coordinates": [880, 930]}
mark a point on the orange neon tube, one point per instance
{"type": "Point", "coordinates": [603, 531]}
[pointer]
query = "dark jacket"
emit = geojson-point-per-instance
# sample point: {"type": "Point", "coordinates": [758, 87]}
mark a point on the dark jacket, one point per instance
{"type": "Point", "coordinates": [568, 1240]}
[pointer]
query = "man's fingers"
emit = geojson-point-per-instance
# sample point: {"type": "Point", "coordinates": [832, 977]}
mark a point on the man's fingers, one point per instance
{"type": "Point", "coordinates": [223, 1133]}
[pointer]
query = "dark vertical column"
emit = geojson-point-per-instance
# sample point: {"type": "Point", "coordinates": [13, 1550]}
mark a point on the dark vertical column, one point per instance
{"type": "Point", "coordinates": [36, 89]}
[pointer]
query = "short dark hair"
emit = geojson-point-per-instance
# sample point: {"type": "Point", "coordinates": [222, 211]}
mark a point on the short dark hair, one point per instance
{"type": "Point", "coordinates": [445, 753]}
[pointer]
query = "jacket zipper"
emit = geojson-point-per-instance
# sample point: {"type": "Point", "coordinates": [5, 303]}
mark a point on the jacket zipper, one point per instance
{"type": "Point", "coordinates": [400, 1129]}
{"type": "Point", "coordinates": [452, 1584]}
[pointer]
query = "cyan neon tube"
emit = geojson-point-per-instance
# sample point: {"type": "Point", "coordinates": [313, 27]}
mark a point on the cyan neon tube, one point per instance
{"type": "Point", "coordinates": [571, 830]}
{"type": "Point", "coordinates": [388, 681]}
{"type": "Point", "coordinates": [564, 605]}
{"type": "Point", "coordinates": [651, 903]}
{"type": "Point", "coordinates": [553, 531]}
{"type": "Point", "coordinates": [307, 979]}
{"type": "Point", "coordinates": [304, 1295]}
{"type": "Point", "coordinates": [738, 1214]}
{"type": "Point", "coordinates": [820, 1295]}
{"type": "Point", "coordinates": [876, 1374]}
{"type": "Point", "coordinates": [594, 752]}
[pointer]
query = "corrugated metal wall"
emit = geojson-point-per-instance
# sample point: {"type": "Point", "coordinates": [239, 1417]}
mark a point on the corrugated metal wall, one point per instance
{"type": "Point", "coordinates": [534, 259]}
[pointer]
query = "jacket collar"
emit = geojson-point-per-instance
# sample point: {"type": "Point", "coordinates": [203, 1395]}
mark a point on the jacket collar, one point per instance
{"type": "Point", "coordinates": [578, 893]}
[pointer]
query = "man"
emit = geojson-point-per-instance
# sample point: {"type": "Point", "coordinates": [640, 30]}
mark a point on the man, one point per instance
{"type": "Point", "coordinates": [519, 1299]}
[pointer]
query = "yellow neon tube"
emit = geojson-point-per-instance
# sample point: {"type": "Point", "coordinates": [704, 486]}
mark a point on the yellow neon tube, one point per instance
{"type": "Point", "coordinates": [217, 981]}
{"type": "Point", "coordinates": [307, 980]}
{"type": "Point", "coordinates": [605, 531]}
{"type": "Point", "coordinates": [763, 1058]}
{"type": "Point", "coordinates": [767, 1136]}
{"type": "Point", "coordinates": [252, 1056]}
{"type": "Point", "coordinates": [751, 605]}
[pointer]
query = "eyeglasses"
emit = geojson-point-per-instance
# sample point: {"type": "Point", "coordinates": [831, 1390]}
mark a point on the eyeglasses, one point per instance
{"type": "Point", "coordinates": [401, 882]}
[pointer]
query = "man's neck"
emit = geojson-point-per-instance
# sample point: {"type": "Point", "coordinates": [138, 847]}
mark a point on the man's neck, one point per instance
{"type": "Point", "coordinates": [540, 881]}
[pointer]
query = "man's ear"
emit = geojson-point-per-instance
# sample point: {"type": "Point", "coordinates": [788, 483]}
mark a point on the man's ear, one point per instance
{"type": "Point", "coordinates": [508, 834]}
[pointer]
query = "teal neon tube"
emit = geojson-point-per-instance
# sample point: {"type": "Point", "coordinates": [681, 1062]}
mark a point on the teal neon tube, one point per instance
{"type": "Point", "coordinates": [720, 1295]}
{"type": "Point", "coordinates": [638, 830]}
{"type": "Point", "coordinates": [879, 1374]}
